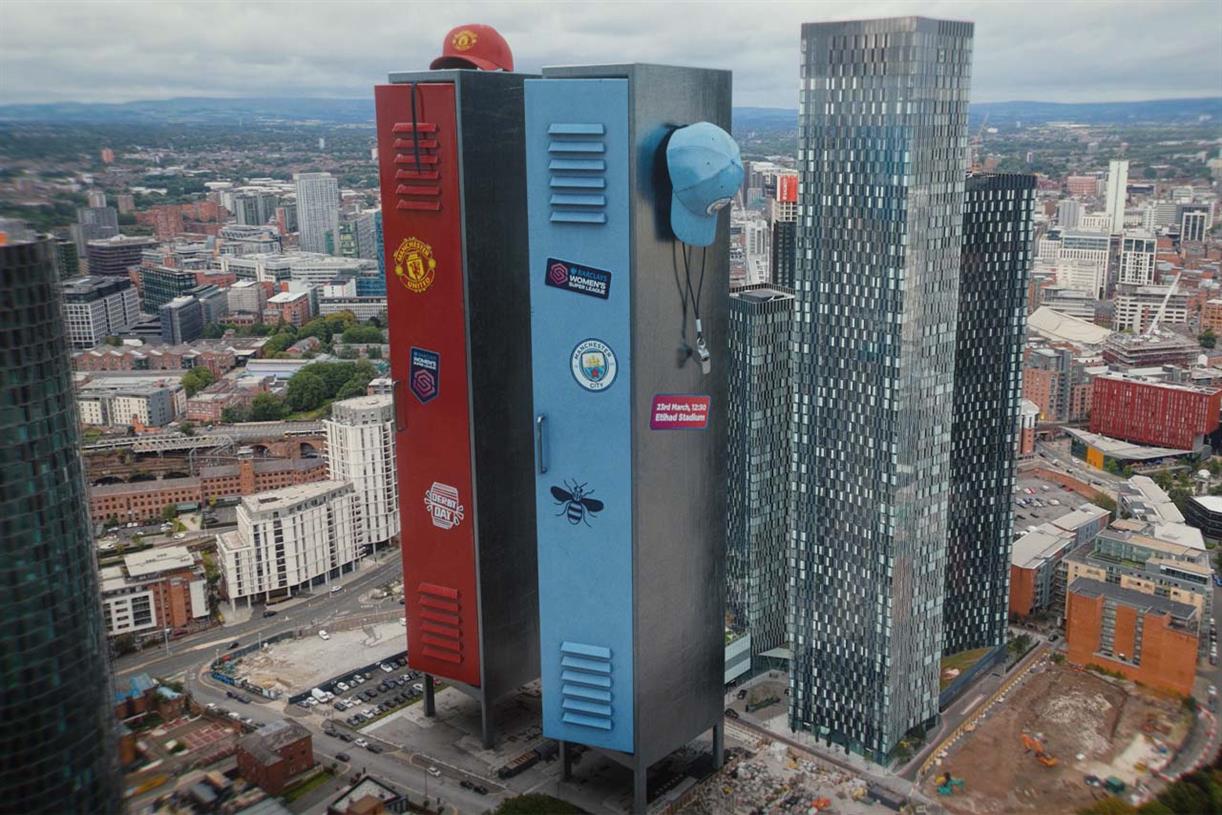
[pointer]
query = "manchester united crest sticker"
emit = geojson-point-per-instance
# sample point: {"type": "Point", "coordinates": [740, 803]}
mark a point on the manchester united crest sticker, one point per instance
{"type": "Point", "coordinates": [415, 265]}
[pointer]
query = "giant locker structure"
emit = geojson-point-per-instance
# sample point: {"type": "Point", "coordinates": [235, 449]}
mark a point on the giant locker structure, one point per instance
{"type": "Point", "coordinates": [630, 459]}
{"type": "Point", "coordinates": [450, 147]}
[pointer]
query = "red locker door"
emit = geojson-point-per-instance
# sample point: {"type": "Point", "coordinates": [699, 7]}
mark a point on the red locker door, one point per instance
{"type": "Point", "coordinates": [421, 223]}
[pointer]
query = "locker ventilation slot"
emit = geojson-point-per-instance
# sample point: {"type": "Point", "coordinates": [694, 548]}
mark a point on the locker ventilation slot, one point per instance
{"type": "Point", "coordinates": [417, 186]}
{"type": "Point", "coordinates": [578, 166]}
{"type": "Point", "coordinates": [440, 616]}
{"type": "Point", "coordinates": [585, 685]}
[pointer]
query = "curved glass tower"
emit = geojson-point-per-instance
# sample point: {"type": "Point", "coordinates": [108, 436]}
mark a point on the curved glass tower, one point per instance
{"type": "Point", "coordinates": [57, 740]}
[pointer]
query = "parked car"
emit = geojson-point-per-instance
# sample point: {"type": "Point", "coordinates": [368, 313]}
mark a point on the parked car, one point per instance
{"type": "Point", "coordinates": [731, 713]}
{"type": "Point", "coordinates": [386, 668]}
{"type": "Point", "coordinates": [342, 736]}
{"type": "Point", "coordinates": [269, 613]}
{"type": "Point", "coordinates": [343, 757]}
{"type": "Point", "coordinates": [361, 743]}
{"type": "Point", "coordinates": [343, 686]}
{"type": "Point", "coordinates": [334, 589]}
{"type": "Point", "coordinates": [433, 771]}
{"type": "Point", "coordinates": [418, 687]}
{"type": "Point", "coordinates": [233, 645]}
{"type": "Point", "coordinates": [324, 635]}
{"type": "Point", "coordinates": [374, 748]}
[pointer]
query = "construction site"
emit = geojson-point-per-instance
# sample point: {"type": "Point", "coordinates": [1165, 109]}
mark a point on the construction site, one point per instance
{"type": "Point", "coordinates": [1058, 741]}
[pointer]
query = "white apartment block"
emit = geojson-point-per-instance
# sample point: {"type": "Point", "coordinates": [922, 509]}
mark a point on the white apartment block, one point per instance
{"type": "Point", "coordinates": [1134, 311]}
{"type": "Point", "coordinates": [1096, 222]}
{"type": "Point", "coordinates": [246, 296]}
{"type": "Point", "coordinates": [1137, 260]}
{"type": "Point", "coordinates": [317, 212]}
{"type": "Point", "coordinates": [1159, 214]}
{"type": "Point", "coordinates": [151, 406]}
{"type": "Point", "coordinates": [1087, 275]}
{"type": "Point", "coordinates": [361, 450]}
{"type": "Point", "coordinates": [289, 539]}
{"type": "Point", "coordinates": [1195, 223]}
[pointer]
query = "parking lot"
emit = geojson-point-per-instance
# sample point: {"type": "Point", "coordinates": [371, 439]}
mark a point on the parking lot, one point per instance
{"type": "Point", "coordinates": [362, 696]}
{"type": "Point", "coordinates": [1037, 501]}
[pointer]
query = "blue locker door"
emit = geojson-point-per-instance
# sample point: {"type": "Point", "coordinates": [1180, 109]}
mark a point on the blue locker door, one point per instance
{"type": "Point", "coordinates": [577, 177]}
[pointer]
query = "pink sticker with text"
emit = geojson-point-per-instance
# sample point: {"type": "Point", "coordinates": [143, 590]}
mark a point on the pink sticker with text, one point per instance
{"type": "Point", "coordinates": [679, 411]}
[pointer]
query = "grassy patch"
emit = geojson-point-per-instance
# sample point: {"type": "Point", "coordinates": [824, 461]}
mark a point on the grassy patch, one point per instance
{"type": "Point", "coordinates": [299, 788]}
{"type": "Point", "coordinates": [963, 661]}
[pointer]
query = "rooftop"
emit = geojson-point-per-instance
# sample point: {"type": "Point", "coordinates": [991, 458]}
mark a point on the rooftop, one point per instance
{"type": "Point", "coordinates": [1146, 498]}
{"type": "Point", "coordinates": [289, 497]}
{"type": "Point", "coordinates": [266, 743]}
{"type": "Point", "coordinates": [1158, 383]}
{"type": "Point", "coordinates": [1123, 450]}
{"type": "Point", "coordinates": [152, 561]}
{"type": "Point", "coordinates": [1035, 548]}
{"type": "Point", "coordinates": [1139, 600]}
{"type": "Point", "coordinates": [1083, 515]}
{"type": "Point", "coordinates": [1058, 326]}
{"type": "Point", "coordinates": [1210, 503]}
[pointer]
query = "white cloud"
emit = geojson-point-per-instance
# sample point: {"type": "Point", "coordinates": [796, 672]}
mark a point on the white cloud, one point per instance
{"type": "Point", "coordinates": [1105, 50]}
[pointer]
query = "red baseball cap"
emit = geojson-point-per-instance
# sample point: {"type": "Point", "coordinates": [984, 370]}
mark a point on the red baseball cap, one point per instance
{"type": "Point", "coordinates": [475, 46]}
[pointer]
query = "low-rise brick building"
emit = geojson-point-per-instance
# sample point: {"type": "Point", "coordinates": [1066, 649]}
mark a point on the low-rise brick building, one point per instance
{"type": "Point", "coordinates": [1149, 639]}
{"type": "Point", "coordinates": [274, 755]}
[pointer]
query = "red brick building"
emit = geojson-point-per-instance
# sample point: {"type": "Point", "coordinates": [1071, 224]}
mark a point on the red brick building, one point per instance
{"type": "Point", "coordinates": [1154, 413]}
{"type": "Point", "coordinates": [291, 307]}
{"type": "Point", "coordinates": [1149, 639]}
{"type": "Point", "coordinates": [274, 755]}
{"type": "Point", "coordinates": [145, 500]}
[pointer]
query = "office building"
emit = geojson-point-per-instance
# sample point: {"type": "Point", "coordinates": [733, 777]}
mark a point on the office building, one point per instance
{"type": "Point", "coordinates": [1068, 213]}
{"type": "Point", "coordinates": [1134, 308]}
{"type": "Point", "coordinates": [288, 539]}
{"type": "Point", "coordinates": [1139, 497]}
{"type": "Point", "coordinates": [161, 284]}
{"type": "Point", "coordinates": [247, 297]}
{"type": "Point", "coordinates": [115, 255]}
{"type": "Point", "coordinates": [363, 308]}
{"type": "Point", "coordinates": [213, 300]}
{"type": "Point", "coordinates": [317, 212]}
{"type": "Point", "coordinates": [1195, 222]}
{"type": "Point", "coordinates": [1147, 638]}
{"type": "Point", "coordinates": [67, 258]}
{"type": "Point", "coordinates": [361, 450]}
{"type": "Point", "coordinates": [58, 734]}
{"type": "Point", "coordinates": [1082, 186]}
{"type": "Point", "coordinates": [1117, 193]}
{"type": "Point", "coordinates": [292, 307]}
{"type": "Point", "coordinates": [1072, 301]}
{"type": "Point", "coordinates": [248, 240]}
{"type": "Point", "coordinates": [757, 509]}
{"type": "Point", "coordinates": [1137, 253]}
{"type": "Point", "coordinates": [154, 590]}
{"type": "Point", "coordinates": [874, 373]}
{"type": "Point", "coordinates": [96, 223]}
{"type": "Point", "coordinates": [1161, 414]}
{"type": "Point", "coordinates": [98, 307]}
{"type": "Point", "coordinates": [1159, 214]}
{"type": "Point", "coordinates": [1141, 351]}
{"type": "Point", "coordinates": [997, 215]}
{"type": "Point", "coordinates": [1037, 568]}
{"type": "Point", "coordinates": [182, 320]}
{"type": "Point", "coordinates": [1204, 512]}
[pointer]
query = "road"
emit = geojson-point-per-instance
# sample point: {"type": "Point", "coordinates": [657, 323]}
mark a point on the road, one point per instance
{"type": "Point", "coordinates": [402, 768]}
{"type": "Point", "coordinates": [1058, 453]}
{"type": "Point", "coordinates": [189, 651]}
{"type": "Point", "coordinates": [970, 703]}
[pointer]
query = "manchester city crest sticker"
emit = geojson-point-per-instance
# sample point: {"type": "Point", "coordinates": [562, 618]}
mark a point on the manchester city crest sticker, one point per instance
{"type": "Point", "coordinates": [593, 365]}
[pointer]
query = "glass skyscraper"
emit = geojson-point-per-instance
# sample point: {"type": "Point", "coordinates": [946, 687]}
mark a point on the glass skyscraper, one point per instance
{"type": "Point", "coordinates": [57, 739]}
{"type": "Point", "coordinates": [997, 213]}
{"type": "Point", "coordinates": [882, 147]}
{"type": "Point", "coordinates": [757, 515]}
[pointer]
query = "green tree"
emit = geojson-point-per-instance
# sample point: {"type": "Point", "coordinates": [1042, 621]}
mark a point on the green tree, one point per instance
{"type": "Point", "coordinates": [187, 428]}
{"type": "Point", "coordinates": [363, 334]}
{"type": "Point", "coordinates": [235, 414]}
{"type": "Point", "coordinates": [1208, 338]}
{"type": "Point", "coordinates": [375, 352]}
{"type": "Point", "coordinates": [113, 341]}
{"type": "Point", "coordinates": [267, 407]}
{"type": "Point", "coordinates": [214, 331]}
{"type": "Point", "coordinates": [124, 644]}
{"type": "Point", "coordinates": [169, 512]}
{"type": "Point", "coordinates": [307, 390]}
{"type": "Point", "coordinates": [196, 379]}
{"type": "Point", "coordinates": [351, 388]}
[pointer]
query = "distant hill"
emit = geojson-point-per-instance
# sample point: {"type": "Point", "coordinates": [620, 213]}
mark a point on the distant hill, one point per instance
{"type": "Point", "coordinates": [263, 110]}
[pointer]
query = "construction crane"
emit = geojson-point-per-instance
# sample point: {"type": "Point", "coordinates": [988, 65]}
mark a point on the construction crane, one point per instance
{"type": "Point", "coordinates": [1162, 309]}
{"type": "Point", "coordinates": [978, 141]}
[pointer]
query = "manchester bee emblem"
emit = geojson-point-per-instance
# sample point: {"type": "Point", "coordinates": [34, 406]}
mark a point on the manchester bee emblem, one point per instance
{"type": "Point", "coordinates": [415, 265]}
{"type": "Point", "coordinates": [464, 39]}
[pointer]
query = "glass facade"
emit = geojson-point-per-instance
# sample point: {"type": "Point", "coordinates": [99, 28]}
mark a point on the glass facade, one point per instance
{"type": "Point", "coordinates": [783, 252]}
{"type": "Point", "coordinates": [997, 214]}
{"type": "Point", "coordinates": [161, 284]}
{"type": "Point", "coordinates": [757, 516]}
{"type": "Point", "coordinates": [882, 148]}
{"type": "Point", "coordinates": [57, 739]}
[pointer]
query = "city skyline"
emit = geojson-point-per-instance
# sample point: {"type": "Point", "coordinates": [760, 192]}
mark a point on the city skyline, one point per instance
{"type": "Point", "coordinates": [53, 52]}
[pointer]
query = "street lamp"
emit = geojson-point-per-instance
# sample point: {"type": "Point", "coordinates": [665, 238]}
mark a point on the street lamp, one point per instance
{"type": "Point", "coordinates": [165, 633]}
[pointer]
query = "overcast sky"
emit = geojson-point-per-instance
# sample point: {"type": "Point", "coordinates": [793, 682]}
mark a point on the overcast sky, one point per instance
{"type": "Point", "coordinates": [1049, 50]}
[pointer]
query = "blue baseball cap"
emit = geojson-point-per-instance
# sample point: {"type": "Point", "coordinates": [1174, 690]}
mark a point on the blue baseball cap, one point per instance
{"type": "Point", "coordinates": [706, 171]}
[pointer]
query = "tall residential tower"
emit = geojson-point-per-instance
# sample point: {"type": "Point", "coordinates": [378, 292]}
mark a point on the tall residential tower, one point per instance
{"type": "Point", "coordinates": [58, 736]}
{"type": "Point", "coordinates": [882, 149]}
{"type": "Point", "coordinates": [318, 212]}
{"type": "Point", "coordinates": [997, 214]}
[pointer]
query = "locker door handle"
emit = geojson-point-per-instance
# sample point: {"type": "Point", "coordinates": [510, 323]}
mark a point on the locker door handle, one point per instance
{"type": "Point", "coordinates": [540, 452]}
